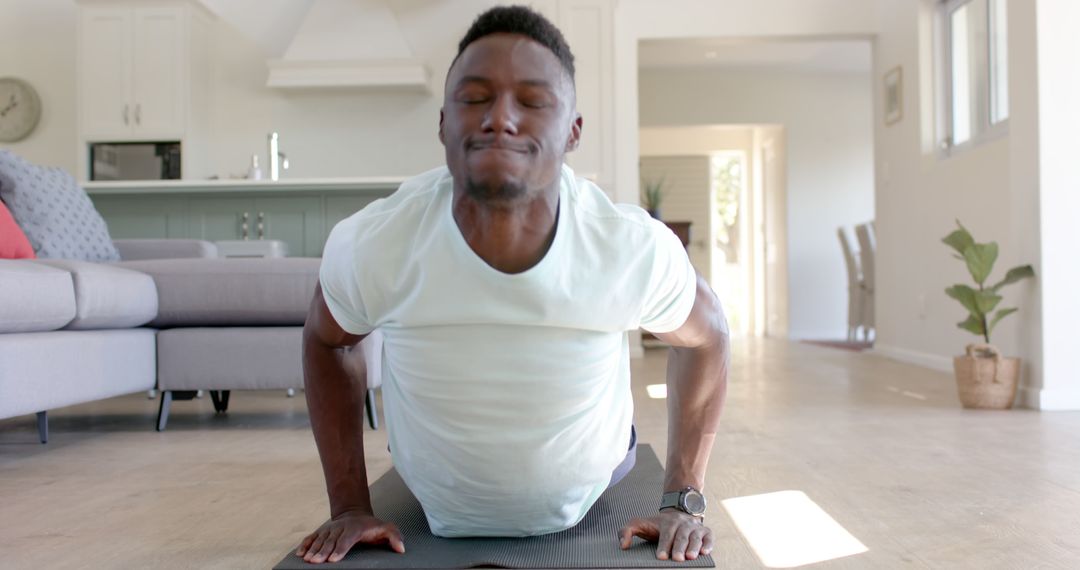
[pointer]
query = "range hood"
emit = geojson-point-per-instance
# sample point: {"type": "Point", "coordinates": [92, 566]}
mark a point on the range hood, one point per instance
{"type": "Point", "coordinates": [349, 44]}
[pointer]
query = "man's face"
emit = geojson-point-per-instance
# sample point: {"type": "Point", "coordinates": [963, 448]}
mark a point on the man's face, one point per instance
{"type": "Point", "coordinates": [508, 117]}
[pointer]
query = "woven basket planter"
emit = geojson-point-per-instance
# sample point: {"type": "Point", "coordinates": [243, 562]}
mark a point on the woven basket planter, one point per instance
{"type": "Point", "coordinates": [985, 379]}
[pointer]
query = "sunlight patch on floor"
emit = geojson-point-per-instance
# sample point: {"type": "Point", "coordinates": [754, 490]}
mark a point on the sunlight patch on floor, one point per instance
{"type": "Point", "coordinates": [787, 529]}
{"type": "Point", "coordinates": [657, 391]}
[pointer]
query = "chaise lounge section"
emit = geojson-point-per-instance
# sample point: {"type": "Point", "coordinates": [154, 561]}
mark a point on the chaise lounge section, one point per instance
{"type": "Point", "coordinates": [228, 324]}
{"type": "Point", "coordinates": [72, 332]}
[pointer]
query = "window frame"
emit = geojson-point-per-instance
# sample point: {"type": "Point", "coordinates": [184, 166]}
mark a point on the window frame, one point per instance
{"type": "Point", "coordinates": [989, 130]}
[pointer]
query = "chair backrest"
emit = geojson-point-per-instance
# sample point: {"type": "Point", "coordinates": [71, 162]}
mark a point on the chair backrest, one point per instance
{"type": "Point", "coordinates": [850, 261]}
{"type": "Point", "coordinates": [372, 345]}
{"type": "Point", "coordinates": [866, 253]}
{"type": "Point", "coordinates": [369, 353]}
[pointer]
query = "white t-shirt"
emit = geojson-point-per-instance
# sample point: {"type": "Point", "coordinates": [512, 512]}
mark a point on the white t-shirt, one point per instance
{"type": "Point", "coordinates": [507, 396]}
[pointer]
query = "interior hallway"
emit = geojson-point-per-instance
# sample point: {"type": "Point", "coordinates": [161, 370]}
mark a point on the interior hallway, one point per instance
{"type": "Point", "coordinates": [881, 446]}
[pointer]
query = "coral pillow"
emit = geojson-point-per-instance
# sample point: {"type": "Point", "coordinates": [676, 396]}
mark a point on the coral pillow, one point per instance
{"type": "Point", "coordinates": [13, 242]}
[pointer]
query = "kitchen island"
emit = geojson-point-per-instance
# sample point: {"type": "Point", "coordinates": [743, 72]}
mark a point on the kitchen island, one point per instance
{"type": "Point", "coordinates": [299, 212]}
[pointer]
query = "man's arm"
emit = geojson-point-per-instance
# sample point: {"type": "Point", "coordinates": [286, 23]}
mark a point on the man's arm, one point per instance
{"type": "Point", "coordinates": [696, 383]}
{"type": "Point", "coordinates": [335, 402]}
{"type": "Point", "coordinates": [696, 386]}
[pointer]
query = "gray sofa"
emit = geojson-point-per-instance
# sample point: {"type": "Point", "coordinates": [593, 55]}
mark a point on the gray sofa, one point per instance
{"type": "Point", "coordinates": [73, 332]}
{"type": "Point", "coordinates": [135, 315]}
{"type": "Point", "coordinates": [228, 324]}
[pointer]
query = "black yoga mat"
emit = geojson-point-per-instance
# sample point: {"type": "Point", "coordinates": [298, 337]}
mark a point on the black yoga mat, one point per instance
{"type": "Point", "coordinates": [593, 543]}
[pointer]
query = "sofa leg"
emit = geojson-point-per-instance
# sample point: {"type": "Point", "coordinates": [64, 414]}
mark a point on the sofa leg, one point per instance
{"type": "Point", "coordinates": [43, 426]}
{"type": "Point", "coordinates": [372, 413]}
{"type": "Point", "coordinates": [220, 400]}
{"type": "Point", "coordinates": [163, 409]}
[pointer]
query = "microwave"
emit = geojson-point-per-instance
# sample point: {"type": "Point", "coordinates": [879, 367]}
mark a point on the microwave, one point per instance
{"type": "Point", "coordinates": [135, 160]}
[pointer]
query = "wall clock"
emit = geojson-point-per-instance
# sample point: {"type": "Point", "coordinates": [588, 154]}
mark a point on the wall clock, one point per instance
{"type": "Point", "coordinates": [20, 109]}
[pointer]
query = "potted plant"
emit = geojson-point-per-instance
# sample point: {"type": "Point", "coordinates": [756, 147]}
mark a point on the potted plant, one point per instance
{"type": "Point", "coordinates": [984, 378]}
{"type": "Point", "coordinates": [651, 196]}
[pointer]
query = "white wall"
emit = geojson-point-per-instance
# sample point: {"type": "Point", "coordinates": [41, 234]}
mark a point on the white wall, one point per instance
{"type": "Point", "coordinates": [827, 117]}
{"type": "Point", "coordinates": [339, 132]}
{"type": "Point", "coordinates": [695, 140]}
{"type": "Point", "coordinates": [992, 188]}
{"type": "Point", "coordinates": [1059, 195]}
{"type": "Point", "coordinates": [326, 133]}
{"type": "Point", "coordinates": [37, 43]}
{"type": "Point", "coordinates": [636, 20]}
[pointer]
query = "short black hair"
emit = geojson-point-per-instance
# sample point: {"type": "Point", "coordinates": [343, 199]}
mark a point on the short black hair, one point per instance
{"type": "Point", "coordinates": [524, 21]}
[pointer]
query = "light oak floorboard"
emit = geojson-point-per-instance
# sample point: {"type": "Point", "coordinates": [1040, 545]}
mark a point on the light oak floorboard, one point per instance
{"type": "Point", "coordinates": [920, 481]}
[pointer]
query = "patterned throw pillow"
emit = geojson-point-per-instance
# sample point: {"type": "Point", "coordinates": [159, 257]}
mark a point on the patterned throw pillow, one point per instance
{"type": "Point", "coordinates": [54, 212]}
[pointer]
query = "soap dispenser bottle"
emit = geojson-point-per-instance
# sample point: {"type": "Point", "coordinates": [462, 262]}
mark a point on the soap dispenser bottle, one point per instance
{"type": "Point", "coordinates": [254, 172]}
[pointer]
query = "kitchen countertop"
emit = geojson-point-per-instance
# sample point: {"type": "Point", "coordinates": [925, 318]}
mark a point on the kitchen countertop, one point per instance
{"type": "Point", "coordinates": [373, 183]}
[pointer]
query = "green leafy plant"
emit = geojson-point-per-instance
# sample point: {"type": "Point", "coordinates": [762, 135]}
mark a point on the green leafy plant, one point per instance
{"type": "Point", "coordinates": [652, 193]}
{"type": "Point", "coordinates": [981, 302]}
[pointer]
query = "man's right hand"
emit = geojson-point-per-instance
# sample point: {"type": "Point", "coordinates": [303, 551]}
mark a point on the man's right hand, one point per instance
{"type": "Point", "coordinates": [332, 541]}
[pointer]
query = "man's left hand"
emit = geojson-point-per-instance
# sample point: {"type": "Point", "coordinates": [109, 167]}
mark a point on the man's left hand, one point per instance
{"type": "Point", "coordinates": [679, 536]}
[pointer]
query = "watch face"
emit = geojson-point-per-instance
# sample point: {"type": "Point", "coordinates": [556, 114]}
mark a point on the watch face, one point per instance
{"type": "Point", "coordinates": [694, 502]}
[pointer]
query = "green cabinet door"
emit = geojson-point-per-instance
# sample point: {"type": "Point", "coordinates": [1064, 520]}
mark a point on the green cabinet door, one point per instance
{"type": "Point", "coordinates": [216, 219]}
{"type": "Point", "coordinates": [302, 219]}
{"type": "Point", "coordinates": [133, 217]}
{"type": "Point", "coordinates": [339, 207]}
{"type": "Point", "coordinates": [297, 221]}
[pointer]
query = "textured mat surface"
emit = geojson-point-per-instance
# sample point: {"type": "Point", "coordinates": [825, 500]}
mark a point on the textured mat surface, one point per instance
{"type": "Point", "coordinates": [593, 543]}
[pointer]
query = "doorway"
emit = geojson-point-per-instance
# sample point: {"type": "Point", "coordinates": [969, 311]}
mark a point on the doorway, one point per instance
{"type": "Point", "coordinates": [727, 182]}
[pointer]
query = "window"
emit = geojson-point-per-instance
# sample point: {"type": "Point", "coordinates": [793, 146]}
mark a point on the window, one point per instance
{"type": "Point", "coordinates": [976, 65]}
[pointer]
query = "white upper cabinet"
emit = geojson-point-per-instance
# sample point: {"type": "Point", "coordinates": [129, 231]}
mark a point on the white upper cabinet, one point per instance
{"type": "Point", "coordinates": [588, 28]}
{"type": "Point", "coordinates": [105, 74]}
{"type": "Point", "coordinates": [158, 64]}
{"type": "Point", "coordinates": [136, 63]}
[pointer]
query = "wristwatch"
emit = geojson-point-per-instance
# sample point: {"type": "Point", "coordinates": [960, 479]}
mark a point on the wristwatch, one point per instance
{"type": "Point", "coordinates": [688, 500]}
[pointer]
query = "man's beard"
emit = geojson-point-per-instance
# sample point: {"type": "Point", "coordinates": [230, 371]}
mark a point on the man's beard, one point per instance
{"type": "Point", "coordinates": [503, 192]}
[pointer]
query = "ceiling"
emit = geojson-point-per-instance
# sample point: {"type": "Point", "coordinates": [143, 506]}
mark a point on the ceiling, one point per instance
{"type": "Point", "coordinates": [271, 24]}
{"type": "Point", "coordinates": [838, 56]}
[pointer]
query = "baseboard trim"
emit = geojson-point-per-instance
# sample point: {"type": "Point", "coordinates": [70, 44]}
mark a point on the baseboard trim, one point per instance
{"type": "Point", "coordinates": [818, 335]}
{"type": "Point", "coordinates": [924, 359]}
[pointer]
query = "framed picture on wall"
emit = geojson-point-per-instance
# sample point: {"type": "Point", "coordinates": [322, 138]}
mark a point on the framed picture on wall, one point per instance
{"type": "Point", "coordinates": [894, 95]}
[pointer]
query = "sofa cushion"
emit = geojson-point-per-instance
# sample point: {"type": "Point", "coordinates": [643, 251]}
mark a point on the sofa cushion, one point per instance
{"type": "Point", "coordinates": [231, 292]}
{"type": "Point", "coordinates": [230, 358]}
{"type": "Point", "coordinates": [54, 211]}
{"type": "Point", "coordinates": [139, 249]}
{"type": "Point", "coordinates": [34, 297]}
{"type": "Point", "coordinates": [13, 242]}
{"type": "Point", "coordinates": [43, 371]}
{"type": "Point", "coordinates": [108, 297]}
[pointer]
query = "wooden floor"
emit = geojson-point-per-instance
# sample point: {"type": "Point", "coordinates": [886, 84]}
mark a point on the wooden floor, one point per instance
{"type": "Point", "coordinates": [882, 447]}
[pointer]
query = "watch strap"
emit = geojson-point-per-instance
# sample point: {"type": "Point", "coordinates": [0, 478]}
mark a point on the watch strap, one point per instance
{"type": "Point", "coordinates": [670, 500]}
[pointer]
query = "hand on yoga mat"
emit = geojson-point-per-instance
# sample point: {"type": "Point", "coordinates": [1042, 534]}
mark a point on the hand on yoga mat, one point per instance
{"type": "Point", "coordinates": [332, 541]}
{"type": "Point", "coordinates": [679, 536]}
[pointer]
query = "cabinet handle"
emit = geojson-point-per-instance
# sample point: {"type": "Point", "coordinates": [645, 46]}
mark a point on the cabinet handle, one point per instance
{"type": "Point", "coordinates": [244, 225]}
{"type": "Point", "coordinates": [126, 106]}
{"type": "Point", "coordinates": [260, 225]}
{"type": "Point", "coordinates": [138, 113]}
